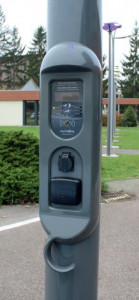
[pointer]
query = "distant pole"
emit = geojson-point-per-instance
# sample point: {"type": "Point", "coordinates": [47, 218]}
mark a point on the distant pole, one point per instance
{"type": "Point", "coordinates": [114, 110]}
{"type": "Point", "coordinates": [110, 97]}
{"type": "Point", "coordinates": [110, 27]}
{"type": "Point", "coordinates": [114, 88]}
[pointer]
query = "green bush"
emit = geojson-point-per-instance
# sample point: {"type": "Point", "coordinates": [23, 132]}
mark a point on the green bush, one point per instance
{"type": "Point", "coordinates": [104, 120]}
{"type": "Point", "coordinates": [104, 186]}
{"type": "Point", "coordinates": [118, 119]}
{"type": "Point", "coordinates": [19, 164]}
{"type": "Point", "coordinates": [129, 119]}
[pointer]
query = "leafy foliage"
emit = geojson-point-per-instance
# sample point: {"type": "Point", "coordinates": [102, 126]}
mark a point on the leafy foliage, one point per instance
{"type": "Point", "coordinates": [118, 119]}
{"type": "Point", "coordinates": [19, 164]}
{"type": "Point", "coordinates": [129, 119]}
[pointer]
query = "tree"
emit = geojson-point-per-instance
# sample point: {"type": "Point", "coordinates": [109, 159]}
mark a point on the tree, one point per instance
{"type": "Point", "coordinates": [4, 39]}
{"type": "Point", "coordinates": [36, 54]}
{"type": "Point", "coordinates": [130, 82]}
{"type": "Point", "coordinates": [105, 79]}
{"type": "Point", "coordinates": [4, 33]}
{"type": "Point", "coordinates": [14, 62]}
{"type": "Point", "coordinates": [129, 119]}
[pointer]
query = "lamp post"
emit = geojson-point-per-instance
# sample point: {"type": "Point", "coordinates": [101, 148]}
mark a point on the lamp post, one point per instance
{"type": "Point", "coordinates": [110, 27]}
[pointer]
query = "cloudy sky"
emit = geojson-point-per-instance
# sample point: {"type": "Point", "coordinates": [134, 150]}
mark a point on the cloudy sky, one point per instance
{"type": "Point", "coordinates": [27, 15]}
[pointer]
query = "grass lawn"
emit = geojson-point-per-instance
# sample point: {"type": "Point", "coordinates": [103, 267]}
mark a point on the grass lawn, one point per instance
{"type": "Point", "coordinates": [128, 137]}
{"type": "Point", "coordinates": [129, 140]}
{"type": "Point", "coordinates": [124, 166]}
{"type": "Point", "coordinates": [121, 167]}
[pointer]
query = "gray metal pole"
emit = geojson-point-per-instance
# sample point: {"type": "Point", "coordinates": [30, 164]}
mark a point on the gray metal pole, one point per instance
{"type": "Point", "coordinates": [110, 97]}
{"type": "Point", "coordinates": [71, 252]}
{"type": "Point", "coordinates": [113, 110]}
{"type": "Point", "coordinates": [114, 89]}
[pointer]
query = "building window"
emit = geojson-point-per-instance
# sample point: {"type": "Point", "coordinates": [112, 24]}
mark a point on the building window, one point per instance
{"type": "Point", "coordinates": [31, 113]}
{"type": "Point", "coordinates": [38, 102]}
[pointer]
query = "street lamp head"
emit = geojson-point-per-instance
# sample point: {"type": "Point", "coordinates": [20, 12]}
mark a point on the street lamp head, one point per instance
{"type": "Point", "coordinates": [111, 26]}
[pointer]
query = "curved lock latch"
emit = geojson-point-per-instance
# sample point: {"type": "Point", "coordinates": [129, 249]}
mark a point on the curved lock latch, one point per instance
{"type": "Point", "coordinates": [49, 259]}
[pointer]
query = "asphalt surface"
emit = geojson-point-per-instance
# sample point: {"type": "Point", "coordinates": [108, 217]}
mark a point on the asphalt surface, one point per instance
{"type": "Point", "coordinates": [22, 266]}
{"type": "Point", "coordinates": [130, 186]}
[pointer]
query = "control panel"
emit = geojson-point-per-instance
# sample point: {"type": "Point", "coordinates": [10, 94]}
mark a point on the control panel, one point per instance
{"type": "Point", "coordinates": [66, 108]}
{"type": "Point", "coordinates": [70, 126]}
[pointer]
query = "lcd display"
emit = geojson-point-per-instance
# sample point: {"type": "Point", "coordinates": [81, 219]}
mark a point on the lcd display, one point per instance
{"type": "Point", "coordinates": [67, 96]}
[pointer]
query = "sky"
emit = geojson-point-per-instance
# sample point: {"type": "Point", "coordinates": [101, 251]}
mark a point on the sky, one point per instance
{"type": "Point", "coordinates": [27, 15]}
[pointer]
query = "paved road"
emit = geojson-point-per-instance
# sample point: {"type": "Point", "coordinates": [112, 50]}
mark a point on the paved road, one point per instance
{"type": "Point", "coordinates": [21, 254]}
{"type": "Point", "coordinates": [19, 213]}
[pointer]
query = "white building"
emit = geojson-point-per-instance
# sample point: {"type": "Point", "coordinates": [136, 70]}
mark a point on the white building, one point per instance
{"type": "Point", "coordinates": [20, 107]}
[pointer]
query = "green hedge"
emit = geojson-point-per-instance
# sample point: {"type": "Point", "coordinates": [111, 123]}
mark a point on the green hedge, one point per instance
{"type": "Point", "coordinates": [19, 164]}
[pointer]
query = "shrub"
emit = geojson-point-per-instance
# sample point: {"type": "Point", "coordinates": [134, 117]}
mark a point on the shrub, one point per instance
{"type": "Point", "coordinates": [19, 164]}
{"type": "Point", "coordinates": [118, 119]}
{"type": "Point", "coordinates": [104, 186]}
{"type": "Point", "coordinates": [129, 119]}
{"type": "Point", "coordinates": [104, 120]}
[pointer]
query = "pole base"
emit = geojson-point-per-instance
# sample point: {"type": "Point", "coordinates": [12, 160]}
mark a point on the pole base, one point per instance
{"type": "Point", "coordinates": [111, 155]}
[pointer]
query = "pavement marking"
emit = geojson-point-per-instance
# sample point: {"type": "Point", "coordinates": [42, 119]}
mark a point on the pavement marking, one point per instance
{"type": "Point", "coordinates": [18, 224]}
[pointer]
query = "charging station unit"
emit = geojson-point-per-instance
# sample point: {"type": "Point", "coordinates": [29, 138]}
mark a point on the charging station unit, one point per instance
{"type": "Point", "coordinates": [70, 134]}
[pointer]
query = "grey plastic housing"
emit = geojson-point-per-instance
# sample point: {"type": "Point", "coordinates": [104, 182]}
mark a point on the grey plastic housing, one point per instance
{"type": "Point", "coordinates": [71, 61]}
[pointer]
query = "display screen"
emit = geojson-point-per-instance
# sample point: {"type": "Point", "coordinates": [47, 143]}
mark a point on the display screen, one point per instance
{"type": "Point", "coordinates": [66, 107]}
{"type": "Point", "coordinates": [67, 96]}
